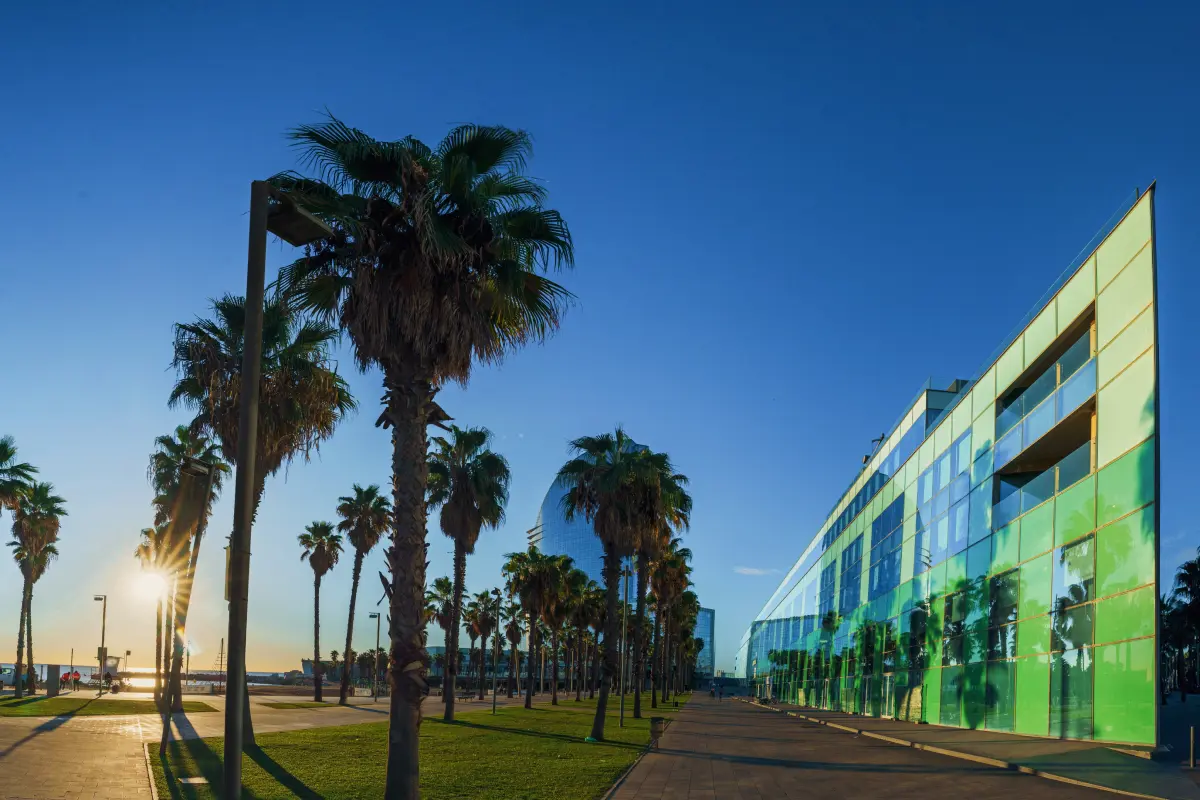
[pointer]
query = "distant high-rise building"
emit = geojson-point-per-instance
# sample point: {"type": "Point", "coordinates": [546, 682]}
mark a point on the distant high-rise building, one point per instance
{"type": "Point", "coordinates": [706, 631]}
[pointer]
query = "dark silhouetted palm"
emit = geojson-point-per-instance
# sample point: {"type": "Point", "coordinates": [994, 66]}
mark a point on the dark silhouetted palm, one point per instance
{"type": "Point", "coordinates": [366, 515]}
{"type": "Point", "coordinates": [322, 547]}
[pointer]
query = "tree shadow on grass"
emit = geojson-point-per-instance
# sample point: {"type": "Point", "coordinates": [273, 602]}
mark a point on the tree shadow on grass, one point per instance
{"type": "Point", "coordinates": [276, 771]}
{"type": "Point", "coordinates": [209, 765]}
{"type": "Point", "coordinates": [544, 735]}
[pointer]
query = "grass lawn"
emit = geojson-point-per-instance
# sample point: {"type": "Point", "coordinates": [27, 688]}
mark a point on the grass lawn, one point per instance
{"type": "Point", "coordinates": [85, 706]}
{"type": "Point", "coordinates": [299, 704]}
{"type": "Point", "coordinates": [534, 754]}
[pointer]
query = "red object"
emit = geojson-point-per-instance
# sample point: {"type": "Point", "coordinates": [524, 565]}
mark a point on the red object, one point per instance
{"type": "Point", "coordinates": [76, 675]}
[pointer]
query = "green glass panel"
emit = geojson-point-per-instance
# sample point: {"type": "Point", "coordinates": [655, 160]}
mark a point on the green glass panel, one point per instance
{"type": "Point", "coordinates": [952, 686]}
{"type": "Point", "coordinates": [932, 696]}
{"type": "Point", "coordinates": [1125, 692]}
{"type": "Point", "coordinates": [907, 556]}
{"type": "Point", "coordinates": [981, 470]}
{"type": "Point", "coordinates": [1071, 694]}
{"type": "Point", "coordinates": [937, 580]}
{"type": "Point", "coordinates": [1126, 484]}
{"type": "Point", "coordinates": [983, 431]}
{"type": "Point", "coordinates": [1001, 695]}
{"type": "Point", "coordinates": [1125, 554]}
{"type": "Point", "coordinates": [974, 704]}
{"type": "Point", "coordinates": [1126, 616]}
{"type": "Point", "coordinates": [956, 572]}
{"type": "Point", "coordinates": [975, 645]}
{"type": "Point", "coordinates": [1123, 243]}
{"type": "Point", "coordinates": [1075, 511]}
{"type": "Point", "coordinates": [1010, 366]}
{"type": "Point", "coordinates": [983, 396]}
{"type": "Point", "coordinates": [1005, 548]}
{"type": "Point", "coordinates": [1124, 298]}
{"type": "Point", "coordinates": [1032, 715]}
{"type": "Point", "coordinates": [960, 419]}
{"type": "Point", "coordinates": [1125, 415]}
{"type": "Point", "coordinates": [1041, 332]}
{"type": "Point", "coordinates": [1035, 587]}
{"type": "Point", "coordinates": [1129, 344]}
{"type": "Point", "coordinates": [1077, 295]}
{"type": "Point", "coordinates": [942, 437]}
{"type": "Point", "coordinates": [1037, 530]}
{"type": "Point", "coordinates": [910, 510]}
{"type": "Point", "coordinates": [925, 455]}
{"type": "Point", "coordinates": [1033, 636]}
{"type": "Point", "coordinates": [979, 558]}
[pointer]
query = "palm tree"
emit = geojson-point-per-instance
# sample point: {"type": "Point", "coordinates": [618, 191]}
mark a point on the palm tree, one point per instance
{"type": "Point", "coordinates": [301, 396]}
{"type": "Point", "coordinates": [36, 514]}
{"type": "Point", "coordinates": [569, 582]}
{"type": "Point", "coordinates": [13, 474]}
{"type": "Point", "coordinates": [532, 576]}
{"type": "Point", "coordinates": [365, 516]}
{"type": "Point", "coordinates": [484, 623]}
{"type": "Point", "coordinates": [469, 483]}
{"type": "Point", "coordinates": [181, 507]}
{"type": "Point", "coordinates": [513, 631]}
{"type": "Point", "coordinates": [470, 621]}
{"type": "Point", "coordinates": [436, 262]}
{"type": "Point", "coordinates": [669, 579]}
{"type": "Point", "coordinates": [441, 600]}
{"type": "Point", "coordinates": [608, 479]}
{"type": "Point", "coordinates": [581, 611]}
{"type": "Point", "coordinates": [150, 553]}
{"type": "Point", "coordinates": [321, 549]}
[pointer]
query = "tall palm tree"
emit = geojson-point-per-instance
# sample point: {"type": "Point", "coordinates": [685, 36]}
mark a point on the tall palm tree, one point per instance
{"type": "Point", "coordinates": [485, 623]}
{"type": "Point", "coordinates": [14, 475]}
{"type": "Point", "coordinates": [513, 631]}
{"type": "Point", "coordinates": [181, 507]}
{"type": "Point", "coordinates": [365, 516]}
{"type": "Point", "coordinates": [669, 579]}
{"type": "Point", "coordinates": [469, 483]}
{"type": "Point", "coordinates": [437, 262]}
{"type": "Point", "coordinates": [532, 576]}
{"type": "Point", "coordinates": [150, 553]}
{"type": "Point", "coordinates": [301, 396]}
{"type": "Point", "coordinates": [569, 582]}
{"type": "Point", "coordinates": [607, 478]}
{"type": "Point", "coordinates": [321, 546]}
{"type": "Point", "coordinates": [441, 600]}
{"type": "Point", "coordinates": [36, 521]}
{"type": "Point", "coordinates": [581, 611]}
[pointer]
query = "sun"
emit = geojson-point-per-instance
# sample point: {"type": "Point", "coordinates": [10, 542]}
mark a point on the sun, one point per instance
{"type": "Point", "coordinates": [151, 585]}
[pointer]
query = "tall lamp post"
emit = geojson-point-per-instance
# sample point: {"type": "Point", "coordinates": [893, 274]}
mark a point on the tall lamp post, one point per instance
{"type": "Point", "coordinates": [102, 653]}
{"type": "Point", "coordinates": [496, 649]}
{"type": "Point", "coordinates": [270, 212]}
{"type": "Point", "coordinates": [375, 672]}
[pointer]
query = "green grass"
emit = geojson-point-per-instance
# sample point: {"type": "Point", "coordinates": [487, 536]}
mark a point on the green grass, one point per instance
{"type": "Point", "coordinates": [89, 706]}
{"type": "Point", "coordinates": [301, 704]}
{"type": "Point", "coordinates": [534, 754]}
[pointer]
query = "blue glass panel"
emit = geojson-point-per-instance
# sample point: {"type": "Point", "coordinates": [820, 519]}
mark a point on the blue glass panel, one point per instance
{"type": "Point", "coordinates": [1077, 390]}
{"type": "Point", "coordinates": [981, 514]}
{"type": "Point", "coordinates": [1037, 491]}
{"type": "Point", "coordinates": [1007, 448]}
{"type": "Point", "coordinates": [959, 527]}
{"type": "Point", "coordinates": [1038, 422]}
{"type": "Point", "coordinates": [1006, 510]}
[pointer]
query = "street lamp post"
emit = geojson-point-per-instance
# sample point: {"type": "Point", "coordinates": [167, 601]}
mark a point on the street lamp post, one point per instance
{"type": "Point", "coordinates": [102, 655]}
{"type": "Point", "coordinates": [375, 672]}
{"type": "Point", "coordinates": [296, 227]}
{"type": "Point", "coordinates": [496, 649]}
{"type": "Point", "coordinates": [624, 615]}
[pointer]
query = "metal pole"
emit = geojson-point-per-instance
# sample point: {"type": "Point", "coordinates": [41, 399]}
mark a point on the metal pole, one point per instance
{"type": "Point", "coordinates": [375, 672]}
{"type": "Point", "coordinates": [103, 652]}
{"type": "Point", "coordinates": [243, 498]}
{"type": "Point", "coordinates": [496, 650]}
{"type": "Point", "coordinates": [624, 608]}
{"type": "Point", "coordinates": [71, 674]}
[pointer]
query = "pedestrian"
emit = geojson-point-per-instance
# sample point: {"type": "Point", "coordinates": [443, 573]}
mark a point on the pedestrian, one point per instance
{"type": "Point", "coordinates": [720, 692]}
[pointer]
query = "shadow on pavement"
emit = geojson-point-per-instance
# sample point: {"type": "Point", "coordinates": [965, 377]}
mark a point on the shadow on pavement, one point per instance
{"type": "Point", "coordinates": [45, 727]}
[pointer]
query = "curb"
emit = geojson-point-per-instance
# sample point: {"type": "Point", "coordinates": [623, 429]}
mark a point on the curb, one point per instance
{"type": "Point", "coordinates": [150, 772]}
{"type": "Point", "coordinates": [991, 762]}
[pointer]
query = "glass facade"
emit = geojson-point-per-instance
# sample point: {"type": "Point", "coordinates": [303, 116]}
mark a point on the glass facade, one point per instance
{"type": "Point", "coordinates": [706, 659]}
{"type": "Point", "coordinates": [995, 563]}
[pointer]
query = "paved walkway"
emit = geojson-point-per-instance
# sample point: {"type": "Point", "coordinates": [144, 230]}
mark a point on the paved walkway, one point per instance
{"type": "Point", "coordinates": [734, 750]}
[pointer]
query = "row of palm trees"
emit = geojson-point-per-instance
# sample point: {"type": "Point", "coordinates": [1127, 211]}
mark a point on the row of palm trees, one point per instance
{"type": "Point", "coordinates": [1180, 627]}
{"type": "Point", "coordinates": [36, 511]}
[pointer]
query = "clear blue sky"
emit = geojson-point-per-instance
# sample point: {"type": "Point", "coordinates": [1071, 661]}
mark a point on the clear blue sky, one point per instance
{"type": "Point", "coordinates": [785, 219]}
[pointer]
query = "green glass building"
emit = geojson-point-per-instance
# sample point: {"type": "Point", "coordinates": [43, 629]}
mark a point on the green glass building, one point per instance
{"type": "Point", "coordinates": [995, 563]}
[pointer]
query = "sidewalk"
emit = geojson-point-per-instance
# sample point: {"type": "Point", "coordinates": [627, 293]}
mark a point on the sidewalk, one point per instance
{"type": "Point", "coordinates": [1082, 761]}
{"type": "Point", "coordinates": [730, 749]}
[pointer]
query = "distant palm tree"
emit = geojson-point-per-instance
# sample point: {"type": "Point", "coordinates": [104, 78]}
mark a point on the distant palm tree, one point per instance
{"type": "Point", "coordinates": [36, 514]}
{"type": "Point", "coordinates": [533, 576]}
{"type": "Point", "coordinates": [469, 483]}
{"type": "Point", "coordinates": [150, 553]}
{"type": "Point", "coordinates": [607, 479]}
{"type": "Point", "coordinates": [14, 475]}
{"type": "Point", "coordinates": [436, 262]}
{"type": "Point", "coordinates": [580, 612]}
{"type": "Point", "coordinates": [513, 631]}
{"type": "Point", "coordinates": [181, 508]}
{"type": "Point", "coordinates": [365, 515]}
{"type": "Point", "coordinates": [485, 623]}
{"type": "Point", "coordinates": [440, 599]}
{"type": "Point", "coordinates": [321, 549]}
{"type": "Point", "coordinates": [568, 584]}
{"type": "Point", "coordinates": [669, 579]}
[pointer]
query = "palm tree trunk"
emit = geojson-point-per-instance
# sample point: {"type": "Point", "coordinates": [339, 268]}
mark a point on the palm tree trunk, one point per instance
{"type": "Point", "coordinates": [666, 657]}
{"type": "Point", "coordinates": [482, 663]}
{"type": "Point", "coordinates": [460, 580]}
{"type": "Point", "coordinates": [612, 577]}
{"type": "Point", "coordinates": [29, 634]}
{"type": "Point", "coordinates": [531, 661]}
{"type": "Point", "coordinates": [158, 634]}
{"type": "Point", "coordinates": [183, 597]}
{"type": "Point", "coordinates": [654, 660]}
{"type": "Point", "coordinates": [18, 675]}
{"type": "Point", "coordinates": [580, 655]}
{"type": "Point", "coordinates": [513, 667]}
{"type": "Point", "coordinates": [639, 650]}
{"type": "Point", "coordinates": [409, 398]}
{"type": "Point", "coordinates": [168, 637]}
{"type": "Point", "coordinates": [318, 669]}
{"type": "Point", "coordinates": [358, 562]}
{"type": "Point", "coordinates": [594, 678]}
{"type": "Point", "coordinates": [554, 666]}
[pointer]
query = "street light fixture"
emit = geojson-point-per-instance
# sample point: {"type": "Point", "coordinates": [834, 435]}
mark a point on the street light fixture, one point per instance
{"type": "Point", "coordinates": [102, 653]}
{"type": "Point", "coordinates": [270, 212]}
{"type": "Point", "coordinates": [375, 672]}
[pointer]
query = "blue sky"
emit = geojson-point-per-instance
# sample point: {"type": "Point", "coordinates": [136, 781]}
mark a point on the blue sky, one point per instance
{"type": "Point", "coordinates": [785, 219]}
